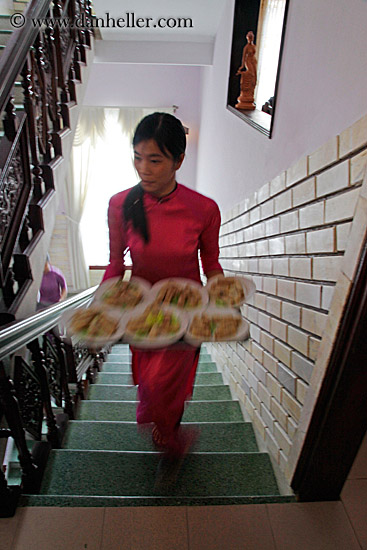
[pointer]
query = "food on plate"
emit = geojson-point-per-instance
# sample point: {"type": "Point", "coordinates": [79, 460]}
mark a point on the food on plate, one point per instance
{"type": "Point", "coordinates": [182, 295]}
{"type": "Point", "coordinates": [214, 326]}
{"type": "Point", "coordinates": [123, 294]}
{"type": "Point", "coordinates": [226, 291]}
{"type": "Point", "coordinates": [93, 323]}
{"type": "Point", "coordinates": [153, 322]}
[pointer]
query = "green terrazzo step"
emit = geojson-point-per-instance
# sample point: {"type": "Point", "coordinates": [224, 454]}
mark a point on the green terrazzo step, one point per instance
{"type": "Point", "coordinates": [202, 378]}
{"type": "Point", "coordinates": [123, 436]}
{"type": "Point", "coordinates": [103, 392]}
{"type": "Point", "coordinates": [196, 411]}
{"type": "Point", "coordinates": [109, 473]}
{"type": "Point", "coordinates": [125, 367]}
{"type": "Point", "coordinates": [125, 356]}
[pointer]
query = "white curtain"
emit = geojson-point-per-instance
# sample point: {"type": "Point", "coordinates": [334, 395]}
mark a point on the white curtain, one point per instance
{"type": "Point", "coordinates": [90, 127]}
{"type": "Point", "coordinates": [268, 38]}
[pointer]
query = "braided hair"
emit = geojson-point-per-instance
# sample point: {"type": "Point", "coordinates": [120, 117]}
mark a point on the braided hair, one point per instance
{"type": "Point", "coordinates": [169, 134]}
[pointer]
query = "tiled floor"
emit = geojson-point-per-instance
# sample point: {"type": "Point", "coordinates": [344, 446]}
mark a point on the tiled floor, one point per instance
{"type": "Point", "coordinates": [308, 526]}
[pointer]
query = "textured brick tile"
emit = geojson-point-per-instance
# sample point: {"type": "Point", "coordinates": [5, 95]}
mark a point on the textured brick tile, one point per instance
{"type": "Point", "coordinates": [277, 184]}
{"type": "Point", "coordinates": [297, 171]}
{"type": "Point", "coordinates": [327, 268]}
{"type": "Point", "coordinates": [341, 207]}
{"type": "Point", "coordinates": [304, 192]}
{"type": "Point", "coordinates": [323, 156]}
{"type": "Point", "coordinates": [312, 215]}
{"type": "Point", "coordinates": [333, 179]}
{"type": "Point", "coordinates": [353, 137]}
{"type": "Point", "coordinates": [308, 294]}
{"type": "Point", "coordinates": [321, 241]}
{"type": "Point", "coordinates": [295, 244]}
{"type": "Point", "coordinates": [283, 202]}
{"type": "Point", "coordinates": [298, 340]}
{"type": "Point", "coordinates": [300, 268]}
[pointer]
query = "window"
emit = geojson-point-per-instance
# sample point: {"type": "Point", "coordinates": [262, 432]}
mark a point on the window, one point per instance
{"type": "Point", "coordinates": [269, 35]}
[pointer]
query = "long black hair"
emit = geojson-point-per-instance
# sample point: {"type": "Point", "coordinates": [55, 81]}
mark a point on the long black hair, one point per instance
{"type": "Point", "coordinates": [169, 134]}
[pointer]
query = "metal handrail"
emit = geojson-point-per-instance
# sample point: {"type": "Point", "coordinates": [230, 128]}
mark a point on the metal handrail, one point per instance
{"type": "Point", "coordinates": [20, 333]}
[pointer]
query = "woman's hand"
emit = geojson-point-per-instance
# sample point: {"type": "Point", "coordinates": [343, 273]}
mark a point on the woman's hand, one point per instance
{"type": "Point", "coordinates": [214, 273]}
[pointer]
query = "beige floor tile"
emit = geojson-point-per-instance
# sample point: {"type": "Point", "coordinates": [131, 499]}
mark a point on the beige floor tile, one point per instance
{"type": "Point", "coordinates": [52, 528]}
{"type": "Point", "coordinates": [359, 468]}
{"type": "Point", "coordinates": [8, 527]}
{"type": "Point", "coordinates": [229, 528]}
{"type": "Point", "coordinates": [354, 498]}
{"type": "Point", "coordinates": [117, 529]}
{"type": "Point", "coordinates": [312, 525]}
{"type": "Point", "coordinates": [159, 528]}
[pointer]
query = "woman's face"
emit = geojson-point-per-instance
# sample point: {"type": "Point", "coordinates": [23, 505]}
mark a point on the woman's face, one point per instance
{"type": "Point", "coordinates": [156, 170]}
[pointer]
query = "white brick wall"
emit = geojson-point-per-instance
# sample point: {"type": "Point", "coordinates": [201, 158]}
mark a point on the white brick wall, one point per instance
{"type": "Point", "coordinates": [290, 237]}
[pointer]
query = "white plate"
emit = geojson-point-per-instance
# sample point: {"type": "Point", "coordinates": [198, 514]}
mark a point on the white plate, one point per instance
{"type": "Point", "coordinates": [93, 342]}
{"type": "Point", "coordinates": [160, 341]}
{"type": "Point", "coordinates": [243, 331]}
{"type": "Point", "coordinates": [144, 286]}
{"type": "Point", "coordinates": [249, 288]}
{"type": "Point", "coordinates": [180, 282]}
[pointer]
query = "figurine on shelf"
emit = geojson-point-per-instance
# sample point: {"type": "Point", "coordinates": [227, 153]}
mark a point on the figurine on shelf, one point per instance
{"type": "Point", "coordinates": [248, 72]}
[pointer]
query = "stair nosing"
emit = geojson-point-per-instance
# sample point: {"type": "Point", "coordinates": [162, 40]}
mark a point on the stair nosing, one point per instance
{"type": "Point", "coordinates": [133, 422]}
{"type": "Point", "coordinates": [158, 453]}
{"type": "Point", "coordinates": [134, 401]}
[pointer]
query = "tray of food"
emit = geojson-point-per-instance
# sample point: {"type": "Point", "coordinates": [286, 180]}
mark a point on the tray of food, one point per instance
{"type": "Point", "coordinates": [116, 292]}
{"type": "Point", "coordinates": [154, 326]}
{"type": "Point", "coordinates": [94, 325]}
{"type": "Point", "coordinates": [181, 293]}
{"type": "Point", "coordinates": [229, 291]}
{"type": "Point", "coordinates": [216, 325]}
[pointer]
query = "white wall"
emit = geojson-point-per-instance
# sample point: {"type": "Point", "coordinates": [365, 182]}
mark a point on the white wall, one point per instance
{"type": "Point", "coordinates": [143, 85]}
{"type": "Point", "coordinates": [322, 91]}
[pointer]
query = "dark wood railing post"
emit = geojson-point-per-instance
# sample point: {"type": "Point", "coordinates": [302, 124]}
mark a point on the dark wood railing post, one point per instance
{"type": "Point", "coordinates": [41, 370]}
{"type": "Point", "coordinates": [30, 474]}
{"type": "Point", "coordinates": [9, 497]}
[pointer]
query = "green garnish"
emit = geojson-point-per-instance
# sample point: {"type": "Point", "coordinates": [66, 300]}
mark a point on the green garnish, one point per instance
{"type": "Point", "coordinates": [220, 302]}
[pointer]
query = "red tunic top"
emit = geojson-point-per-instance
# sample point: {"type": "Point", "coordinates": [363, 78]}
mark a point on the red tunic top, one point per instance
{"type": "Point", "coordinates": [179, 225]}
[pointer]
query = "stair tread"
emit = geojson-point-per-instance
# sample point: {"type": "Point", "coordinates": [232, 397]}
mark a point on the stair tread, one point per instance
{"type": "Point", "coordinates": [104, 392]}
{"type": "Point", "coordinates": [202, 378]}
{"type": "Point", "coordinates": [204, 411]}
{"type": "Point", "coordinates": [202, 474]}
{"type": "Point", "coordinates": [214, 436]}
{"type": "Point", "coordinates": [125, 367]}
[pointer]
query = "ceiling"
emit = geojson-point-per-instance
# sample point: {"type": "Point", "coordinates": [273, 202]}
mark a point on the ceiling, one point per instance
{"type": "Point", "coordinates": [146, 42]}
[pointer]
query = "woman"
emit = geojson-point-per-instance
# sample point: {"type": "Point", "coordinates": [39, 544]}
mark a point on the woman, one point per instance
{"type": "Point", "coordinates": [53, 286]}
{"type": "Point", "coordinates": [163, 224]}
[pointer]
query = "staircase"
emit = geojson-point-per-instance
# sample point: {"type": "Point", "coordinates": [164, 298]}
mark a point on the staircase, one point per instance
{"type": "Point", "coordinates": [106, 462]}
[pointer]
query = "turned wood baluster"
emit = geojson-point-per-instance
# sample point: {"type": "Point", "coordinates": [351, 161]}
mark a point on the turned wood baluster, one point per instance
{"type": "Point", "coordinates": [54, 108]}
{"type": "Point", "coordinates": [13, 418]}
{"type": "Point", "coordinates": [39, 184]}
{"type": "Point", "coordinates": [58, 13]}
{"type": "Point", "coordinates": [38, 358]}
{"type": "Point", "coordinates": [69, 409]}
{"type": "Point", "coordinates": [9, 123]}
{"type": "Point", "coordinates": [88, 13]}
{"type": "Point", "coordinates": [40, 62]}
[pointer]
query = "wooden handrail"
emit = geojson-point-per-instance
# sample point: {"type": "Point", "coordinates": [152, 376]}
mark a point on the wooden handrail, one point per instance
{"type": "Point", "coordinates": [20, 333]}
{"type": "Point", "coordinates": [12, 60]}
